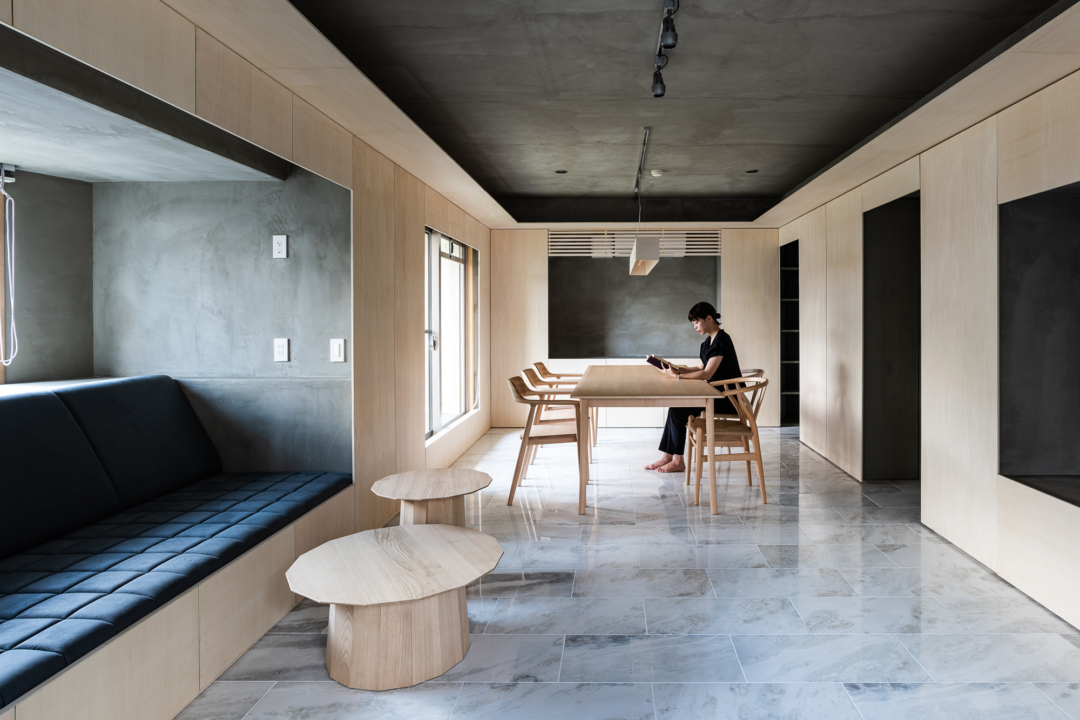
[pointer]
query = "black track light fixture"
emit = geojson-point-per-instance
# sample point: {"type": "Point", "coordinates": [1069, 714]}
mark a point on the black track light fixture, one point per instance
{"type": "Point", "coordinates": [668, 37]}
{"type": "Point", "coordinates": [667, 41]}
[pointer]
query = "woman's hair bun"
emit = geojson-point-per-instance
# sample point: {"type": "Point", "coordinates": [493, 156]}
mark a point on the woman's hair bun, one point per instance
{"type": "Point", "coordinates": [701, 311]}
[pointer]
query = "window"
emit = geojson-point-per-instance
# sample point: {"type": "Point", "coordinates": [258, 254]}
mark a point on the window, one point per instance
{"type": "Point", "coordinates": [451, 302]}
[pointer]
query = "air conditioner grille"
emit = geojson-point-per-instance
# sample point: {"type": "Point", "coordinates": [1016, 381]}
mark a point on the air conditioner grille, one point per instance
{"type": "Point", "coordinates": [619, 243]}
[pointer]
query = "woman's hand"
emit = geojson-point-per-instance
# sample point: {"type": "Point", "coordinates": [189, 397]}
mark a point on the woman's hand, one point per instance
{"type": "Point", "coordinates": [669, 370]}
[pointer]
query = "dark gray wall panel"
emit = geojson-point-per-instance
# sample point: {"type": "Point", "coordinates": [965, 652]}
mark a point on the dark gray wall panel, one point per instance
{"type": "Point", "coordinates": [184, 284]}
{"type": "Point", "coordinates": [1040, 334]}
{"type": "Point", "coordinates": [53, 278]}
{"type": "Point", "coordinates": [597, 309]}
{"type": "Point", "coordinates": [891, 341]}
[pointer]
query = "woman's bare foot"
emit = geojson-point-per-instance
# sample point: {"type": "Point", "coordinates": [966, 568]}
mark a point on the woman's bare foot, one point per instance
{"type": "Point", "coordinates": [660, 463]}
{"type": "Point", "coordinates": [675, 466]}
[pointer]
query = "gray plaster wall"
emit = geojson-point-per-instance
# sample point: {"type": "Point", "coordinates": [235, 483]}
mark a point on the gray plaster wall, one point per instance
{"type": "Point", "coordinates": [185, 284]}
{"type": "Point", "coordinates": [597, 309]}
{"type": "Point", "coordinates": [53, 278]}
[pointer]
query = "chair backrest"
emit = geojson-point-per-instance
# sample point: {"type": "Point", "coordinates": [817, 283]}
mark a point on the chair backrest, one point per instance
{"type": "Point", "coordinates": [519, 390]}
{"type": "Point", "coordinates": [544, 372]}
{"type": "Point", "coordinates": [746, 399]}
{"type": "Point", "coordinates": [533, 378]}
{"type": "Point", "coordinates": [756, 396]}
{"type": "Point", "coordinates": [753, 373]}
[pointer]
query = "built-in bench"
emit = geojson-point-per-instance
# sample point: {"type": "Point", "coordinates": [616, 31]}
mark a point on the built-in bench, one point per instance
{"type": "Point", "coordinates": [113, 509]}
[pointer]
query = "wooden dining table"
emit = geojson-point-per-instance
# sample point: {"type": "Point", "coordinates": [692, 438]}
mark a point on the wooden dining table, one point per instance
{"type": "Point", "coordinates": [639, 386]}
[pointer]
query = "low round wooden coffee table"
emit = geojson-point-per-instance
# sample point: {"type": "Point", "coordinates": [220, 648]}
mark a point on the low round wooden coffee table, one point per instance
{"type": "Point", "coordinates": [432, 496]}
{"type": "Point", "coordinates": [397, 600]}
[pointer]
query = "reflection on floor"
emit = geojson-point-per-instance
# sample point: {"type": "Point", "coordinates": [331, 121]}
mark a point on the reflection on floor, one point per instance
{"type": "Point", "coordinates": [832, 601]}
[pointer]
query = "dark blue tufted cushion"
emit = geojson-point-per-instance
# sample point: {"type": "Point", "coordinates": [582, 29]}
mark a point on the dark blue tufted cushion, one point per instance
{"type": "Point", "coordinates": [145, 433]}
{"type": "Point", "coordinates": [62, 599]}
{"type": "Point", "coordinates": [51, 482]}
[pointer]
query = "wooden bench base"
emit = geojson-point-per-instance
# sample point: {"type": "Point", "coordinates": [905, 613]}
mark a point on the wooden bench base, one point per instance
{"type": "Point", "coordinates": [382, 647]}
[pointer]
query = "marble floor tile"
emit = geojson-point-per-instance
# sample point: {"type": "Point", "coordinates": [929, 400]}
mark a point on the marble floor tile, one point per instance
{"type": "Point", "coordinates": [1013, 701]}
{"type": "Point", "coordinates": [865, 534]}
{"type": "Point", "coordinates": [996, 658]}
{"type": "Point", "coordinates": [650, 658]}
{"type": "Point", "coordinates": [901, 500]}
{"type": "Point", "coordinates": [826, 658]}
{"type": "Point", "coordinates": [929, 553]}
{"type": "Point", "coordinates": [880, 516]}
{"type": "Point", "coordinates": [779, 582]}
{"type": "Point", "coordinates": [577, 556]}
{"type": "Point", "coordinates": [756, 701]}
{"type": "Point", "coordinates": [331, 701]}
{"type": "Point", "coordinates": [825, 500]}
{"type": "Point", "coordinates": [480, 610]}
{"type": "Point", "coordinates": [876, 615]}
{"type": "Point", "coordinates": [282, 657]}
{"type": "Point", "coordinates": [555, 701]}
{"type": "Point", "coordinates": [523, 532]}
{"type": "Point", "coordinates": [702, 556]}
{"type": "Point", "coordinates": [903, 582]}
{"type": "Point", "coordinates": [1065, 696]}
{"type": "Point", "coordinates": [779, 515]}
{"type": "Point", "coordinates": [309, 617]}
{"type": "Point", "coordinates": [508, 658]}
{"type": "Point", "coordinates": [568, 616]}
{"type": "Point", "coordinates": [508, 584]}
{"type": "Point", "coordinates": [689, 516]}
{"type": "Point", "coordinates": [825, 556]}
{"type": "Point", "coordinates": [225, 701]}
{"type": "Point", "coordinates": [647, 535]}
{"type": "Point", "coordinates": [1006, 615]}
{"type": "Point", "coordinates": [613, 583]}
{"type": "Point", "coordinates": [750, 535]}
{"type": "Point", "coordinates": [722, 616]}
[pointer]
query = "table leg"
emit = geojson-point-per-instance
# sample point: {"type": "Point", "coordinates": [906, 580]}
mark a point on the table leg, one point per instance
{"type": "Point", "coordinates": [710, 429]}
{"type": "Point", "coordinates": [583, 447]}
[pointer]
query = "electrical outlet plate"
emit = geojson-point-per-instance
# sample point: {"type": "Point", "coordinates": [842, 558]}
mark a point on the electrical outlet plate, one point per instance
{"type": "Point", "coordinates": [337, 350]}
{"type": "Point", "coordinates": [281, 246]}
{"type": "Point", "coordinates": [281, 349]}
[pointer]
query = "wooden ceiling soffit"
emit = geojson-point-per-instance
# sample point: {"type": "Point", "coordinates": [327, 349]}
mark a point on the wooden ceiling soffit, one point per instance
{"type": "Point", "coordinates": [275, 37]}
{"type": "Point", "coordinates": [1042, 57]}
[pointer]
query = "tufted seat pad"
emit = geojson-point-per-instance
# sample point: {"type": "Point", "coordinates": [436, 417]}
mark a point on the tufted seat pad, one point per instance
{"type": "Point", "coordinates": [62, 599]}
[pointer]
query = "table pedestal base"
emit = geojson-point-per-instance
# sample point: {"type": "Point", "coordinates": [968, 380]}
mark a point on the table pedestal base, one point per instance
{"type": "Point", "coordinates": [382, 647]}
{"type": "Point", "coordinates": [443, 511]}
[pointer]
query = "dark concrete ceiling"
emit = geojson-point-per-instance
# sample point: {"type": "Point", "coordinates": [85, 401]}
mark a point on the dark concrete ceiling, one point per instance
{"type": "Point", "coordinates": [517, 90]}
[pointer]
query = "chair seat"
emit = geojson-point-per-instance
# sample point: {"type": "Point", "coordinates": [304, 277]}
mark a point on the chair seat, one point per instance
{"type": "Point", "coordinates": [558, 414]}
{"type": "Point", "coordinates": [554, 430]}
{"type": "Point", "coordinates": [723, 428]}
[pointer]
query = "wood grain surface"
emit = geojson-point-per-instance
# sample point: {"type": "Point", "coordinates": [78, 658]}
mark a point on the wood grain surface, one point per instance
{"type": "Point", "coordinates": [636, 381]}
{"type": "Point", "coordinates": [431, 484]}
{"type": "Point", "coordinates": [394, 564]}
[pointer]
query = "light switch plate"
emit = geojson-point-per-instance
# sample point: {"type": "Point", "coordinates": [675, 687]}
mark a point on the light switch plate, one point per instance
{"type": "Point", "coordinates": [281, 246]}
{"type": "Point", "coordinates": [281, 349]}
{"type": "Point", "coordinates": [337, 350]}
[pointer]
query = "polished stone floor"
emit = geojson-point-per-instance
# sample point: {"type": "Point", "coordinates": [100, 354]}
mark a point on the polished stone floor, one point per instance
{"type": "Point", "coordinates": [831, 602]}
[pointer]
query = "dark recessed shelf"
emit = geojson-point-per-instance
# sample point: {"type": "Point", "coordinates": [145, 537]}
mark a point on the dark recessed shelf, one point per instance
{"type": "Point", "coordinates": [789, 299]}
{"type": "Point", "coordinates": [789, 362]}
{"type": "Point", "coordinates": [790, 268]}
{"type": "Point", "coordinates": [794, 331]}
{"type": "Point", "coordinates": [788, 392]}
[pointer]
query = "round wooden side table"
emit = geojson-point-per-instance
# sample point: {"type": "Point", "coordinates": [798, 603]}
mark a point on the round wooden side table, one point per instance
{"type": "Point", "coordinates": [432, 496]}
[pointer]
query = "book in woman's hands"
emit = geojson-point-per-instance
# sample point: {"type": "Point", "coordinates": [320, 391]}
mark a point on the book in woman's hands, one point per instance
{"type": "Point", "coordinates": [659, 363]}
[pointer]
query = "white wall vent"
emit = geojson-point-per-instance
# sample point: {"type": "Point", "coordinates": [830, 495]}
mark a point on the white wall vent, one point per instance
{"type": "Point", "coordinates": [620, 243]}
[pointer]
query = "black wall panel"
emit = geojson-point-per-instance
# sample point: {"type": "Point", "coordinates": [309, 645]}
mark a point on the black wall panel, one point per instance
{"type": "Point", "coordinates": [597, 309]}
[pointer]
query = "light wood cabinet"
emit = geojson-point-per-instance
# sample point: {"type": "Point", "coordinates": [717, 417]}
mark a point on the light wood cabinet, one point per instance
{"type": "Point", "coordinates": [142, 42]}
{"type": "Point", "coordinates": [234, 94]}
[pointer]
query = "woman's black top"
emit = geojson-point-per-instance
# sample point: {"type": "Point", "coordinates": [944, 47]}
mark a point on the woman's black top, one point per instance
{"type": "Point", "coordinates": [721, 346]}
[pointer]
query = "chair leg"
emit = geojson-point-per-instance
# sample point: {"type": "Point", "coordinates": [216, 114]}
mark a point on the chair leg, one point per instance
{"type": "Point", "coordinates": [532, 457]}
{"type": "Point", "coordinates": [760, 471]}
{"type": "Point", "coordinates": [688, 453]}
{"type": "Point", "coordinates": [699, 463]}
{"type": "Point", "coordinates": [746, 449]}
{"type": "Point", "coordinates": [522, 462]}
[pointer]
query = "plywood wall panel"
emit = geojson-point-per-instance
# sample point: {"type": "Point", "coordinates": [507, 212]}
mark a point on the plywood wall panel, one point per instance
{"type": "Point", "coordinates": [844, 331]}
{"type": "Point", "coordinates": [374, 319]}
{"type": "Point", "coordinates": [410, 398]}
{"type": "Point", "coordinates": [479, 237]}
{"type": "Point", "coordinates": [1039, 141]}
{"type": "Point", "coordinates": [437, 213]}
{"type": "Point", "coordinates": [896, 183]}
{"type": "Point", "coordinates": [320, 144]}
{"type": "Point", "coordinates": [960, 340]}
{"type": "Point", "coordinates": [813, 330]}
{"type": "Point", "coordinates": [519, 315]}
{"type": "Point", "coordinates": [234, 94]}
{"type": "Point", "coordinates": [240, 602]}
{"type": "Point", "coordinates": [150, 672]}
{"type": "Point", "coordinates": [456, 222]}
{"type": "Point", "coordinates": [1038, 536]}
{"type": "Point", "coordinates": [333, 519]}
{"type": "Point", "coordinates": [750, 307]}
{"type": "Point", "coordinates": [5, 17]}
{"type": "Point", "coordinates": [143, 42]}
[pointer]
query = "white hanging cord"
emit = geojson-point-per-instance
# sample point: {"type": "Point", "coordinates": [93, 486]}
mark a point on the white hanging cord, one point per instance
{"type": "Point", "coordinates": [9, 342]}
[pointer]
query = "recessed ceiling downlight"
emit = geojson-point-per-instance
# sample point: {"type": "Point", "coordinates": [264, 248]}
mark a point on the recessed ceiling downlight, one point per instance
{"type": "Point", "coordinates": [751, 172]}
{"type": "Point", "coordinates": [563, 172]}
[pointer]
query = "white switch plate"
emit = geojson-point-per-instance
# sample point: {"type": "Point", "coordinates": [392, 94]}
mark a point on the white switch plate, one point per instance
{"type": "Point", "coordinates": [281, 349]}
{"type": "Point", "coordinates": [281, 246]}
{"type": "Point", "coordinates": [337, 350]}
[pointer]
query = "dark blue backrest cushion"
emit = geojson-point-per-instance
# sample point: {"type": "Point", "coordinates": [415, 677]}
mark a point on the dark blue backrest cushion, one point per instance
{"type": "Point", "coordinates": [50, 480]}
{"type": "Point", "coordinates": [145, 433]}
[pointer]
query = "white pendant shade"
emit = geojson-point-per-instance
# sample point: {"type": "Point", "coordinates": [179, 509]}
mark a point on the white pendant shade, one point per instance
{"type": "Point", "coordinates": [645, 255]}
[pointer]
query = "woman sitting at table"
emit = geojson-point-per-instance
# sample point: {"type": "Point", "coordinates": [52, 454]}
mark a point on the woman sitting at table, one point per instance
{"type": "Point", "coordinates": [718, 362]}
